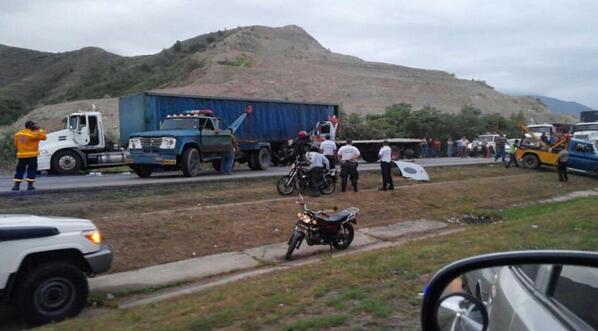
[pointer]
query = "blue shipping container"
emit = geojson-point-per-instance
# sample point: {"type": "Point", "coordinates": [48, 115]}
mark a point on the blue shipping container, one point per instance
{"type": "Point", "coordinates": [271, 121]}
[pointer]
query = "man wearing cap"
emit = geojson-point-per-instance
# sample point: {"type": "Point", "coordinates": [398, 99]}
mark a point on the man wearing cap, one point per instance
{"type": "Point", "coordinates": [349, 155]}
{"type": "Point", "coordinates": [27, 144]}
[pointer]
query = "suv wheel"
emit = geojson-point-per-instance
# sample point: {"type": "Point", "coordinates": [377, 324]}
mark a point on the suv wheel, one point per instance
{"type": "Point", "coordinates": [51, 292]}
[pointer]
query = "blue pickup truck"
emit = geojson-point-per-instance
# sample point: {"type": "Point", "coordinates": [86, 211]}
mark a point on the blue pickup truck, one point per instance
{"type": "Point", "coordinates": [583, 156]}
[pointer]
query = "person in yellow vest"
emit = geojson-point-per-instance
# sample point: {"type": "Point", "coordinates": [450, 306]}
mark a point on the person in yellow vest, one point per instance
{"type": "Point", "coordinates": [27, 144]}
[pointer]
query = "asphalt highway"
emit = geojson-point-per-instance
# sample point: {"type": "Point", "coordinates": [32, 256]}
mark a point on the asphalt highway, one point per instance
{"type": "Point", "coordinates": [98, 180]}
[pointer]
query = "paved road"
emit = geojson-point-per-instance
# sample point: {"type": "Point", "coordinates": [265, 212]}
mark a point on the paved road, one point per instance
{"type": "Point", "coordinates": [68, 183]}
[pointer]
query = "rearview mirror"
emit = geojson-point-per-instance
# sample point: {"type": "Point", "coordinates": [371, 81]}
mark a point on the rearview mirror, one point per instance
{"type": "Point", "coordinates": [528, 290]}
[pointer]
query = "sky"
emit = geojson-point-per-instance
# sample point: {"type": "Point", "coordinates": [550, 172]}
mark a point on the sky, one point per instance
{"type": "Point", "coordinates": [520, 47]}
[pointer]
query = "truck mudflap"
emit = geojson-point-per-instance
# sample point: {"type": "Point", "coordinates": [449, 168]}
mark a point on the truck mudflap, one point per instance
{"type": "Point", "coordinates": [100, 261]}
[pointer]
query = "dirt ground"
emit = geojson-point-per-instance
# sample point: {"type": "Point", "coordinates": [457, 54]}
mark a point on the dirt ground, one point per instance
{"type": "Point", "coordinates": [148, 226]}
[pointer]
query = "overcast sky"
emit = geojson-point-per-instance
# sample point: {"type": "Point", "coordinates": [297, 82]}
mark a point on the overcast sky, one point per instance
{"type": "Point", "coordinates": [520, 47]}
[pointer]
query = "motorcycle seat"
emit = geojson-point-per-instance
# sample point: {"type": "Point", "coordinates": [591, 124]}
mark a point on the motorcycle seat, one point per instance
{"type": "Point", "coordinates": [341, 216]}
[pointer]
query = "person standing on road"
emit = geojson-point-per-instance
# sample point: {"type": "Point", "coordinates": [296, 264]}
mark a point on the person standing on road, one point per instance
{"type": "Point", "coordinates": [385, 157]}
{"type": "Point", "coordinates": [27, 145]}
{"type": "Point", "coordinates": [328, 148]}
{"type": "Point", "coordinates": [561, 165]}
{"type": "Point", "coordinates": [227, 161]}
{"type": "Point", "coordinates": [501, 142]}
{"type": "Point", "coordinates": [512, 150]}
{"type": "Point", "coordinates": [301, 146]}
{"type": "Point", "coordinates": [317, 162]}
{"type": "Point", "coordinates": [423, 148]}
{"type": "Point", "coordinates": [348, 155]}
{"type": "Point", "coordinates": [449, 147]}
{"type": "Point", "coordinates": [437, 147]}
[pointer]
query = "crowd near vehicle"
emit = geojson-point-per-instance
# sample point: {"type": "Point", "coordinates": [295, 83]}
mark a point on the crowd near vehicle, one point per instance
{"type": "Point", "coordinates": [527, 290]}
{"type": "Point", "coordinates": [155, 134]}
{"type": "Point", "coordinates": [475, 147]}
{"type": "Point", "coordinates": [44, 264]}
{"type": "Point", "coordinates": [322, 227]}
{"type": "Point", "coordinates": [299, 178]}
{"type": "Point", "coordinates": [583, 155]}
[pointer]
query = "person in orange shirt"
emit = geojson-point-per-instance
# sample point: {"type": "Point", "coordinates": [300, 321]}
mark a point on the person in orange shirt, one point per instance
{"type": "Point", "coordinates": [27, 144]}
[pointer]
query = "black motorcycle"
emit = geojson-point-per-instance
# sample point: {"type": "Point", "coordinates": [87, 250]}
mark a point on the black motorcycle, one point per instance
{"type": "Point", "coordinates": [323, 227]}
{"type": "Point", "coordinates": [300, 179]}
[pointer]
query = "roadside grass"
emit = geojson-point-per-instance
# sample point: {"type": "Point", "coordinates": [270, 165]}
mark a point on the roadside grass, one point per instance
{"type": "Point", "coordinates": [148, 226]}
{"type": "Point", "coordinates": [373, 290]}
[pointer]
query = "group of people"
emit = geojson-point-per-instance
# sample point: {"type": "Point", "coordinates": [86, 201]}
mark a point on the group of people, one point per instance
{"type": "Point", "coordinates": [430, 148]}
{"type": "Point", "coordinates": [327, 155]}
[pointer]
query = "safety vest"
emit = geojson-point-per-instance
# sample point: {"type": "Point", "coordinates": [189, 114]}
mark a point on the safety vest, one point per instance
{"type": "Point", "coordinates": [27, 142]}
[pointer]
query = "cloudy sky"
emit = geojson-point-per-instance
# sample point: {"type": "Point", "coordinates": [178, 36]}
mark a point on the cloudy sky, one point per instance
{"type": "Point", "coordinates": [520, 47]}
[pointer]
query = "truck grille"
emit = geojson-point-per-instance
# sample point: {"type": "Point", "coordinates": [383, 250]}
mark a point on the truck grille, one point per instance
{"type": "Point", "coordinates": [151, 145]}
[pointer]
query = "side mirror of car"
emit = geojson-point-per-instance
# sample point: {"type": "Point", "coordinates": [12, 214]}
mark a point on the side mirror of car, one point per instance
{"type": "Point", "coordinates": [540, 290]}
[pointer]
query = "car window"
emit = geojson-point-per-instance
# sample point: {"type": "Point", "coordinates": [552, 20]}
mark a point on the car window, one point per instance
{"type": "Point", "coordinates": [530, 270]}
{"type": "Point", "coordinates": [209, 124]}
{"type": "Point", "coordinates": [576, 288]}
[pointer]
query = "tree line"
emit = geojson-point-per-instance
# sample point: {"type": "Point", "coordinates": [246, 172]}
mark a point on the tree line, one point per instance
{"type": "Point", "coordinates": [402, 121]}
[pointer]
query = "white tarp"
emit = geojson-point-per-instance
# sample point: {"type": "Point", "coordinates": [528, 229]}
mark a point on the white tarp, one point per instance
{"type": "Point", "coordinates": [412, 171]}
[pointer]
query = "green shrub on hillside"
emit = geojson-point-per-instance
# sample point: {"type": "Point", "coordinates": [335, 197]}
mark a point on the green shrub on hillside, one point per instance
{"type": "Point", "coordinates": [7, 149]}
{"type": "Point", "coordinates": [10, 110]}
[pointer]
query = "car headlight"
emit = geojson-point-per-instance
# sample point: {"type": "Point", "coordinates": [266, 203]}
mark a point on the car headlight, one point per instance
{"type": "Point", "coordinates": [168, 143]}
{"type": "Point", "coordinates": [135, 143]}
{"type": "Point", "coordinates": [44, 152]}
{"type": "Point", "coordinates": [93, 236]}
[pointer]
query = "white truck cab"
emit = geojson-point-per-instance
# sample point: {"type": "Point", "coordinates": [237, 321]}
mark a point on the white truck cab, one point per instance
{"type": "Point", "coordinates": [80, 145]}
{"type": "Point", "coordinates": [587, 131]}
{"type": "Point", "coordinates": [44, 264]}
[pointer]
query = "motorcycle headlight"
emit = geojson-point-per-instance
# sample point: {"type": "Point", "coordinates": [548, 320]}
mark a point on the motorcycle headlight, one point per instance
{"type": "Point", "coordinates": [168, 143]}
{"type": "Point", "coordinates": [135, 143]}
{"type": "Point", "coordinates": [306, 219]}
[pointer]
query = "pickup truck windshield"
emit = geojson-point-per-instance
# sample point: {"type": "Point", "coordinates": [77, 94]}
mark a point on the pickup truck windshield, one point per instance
{"type": "Point", "coordinates": [180, 123]}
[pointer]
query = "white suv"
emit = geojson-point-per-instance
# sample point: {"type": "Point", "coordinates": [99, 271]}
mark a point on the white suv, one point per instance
{"type": "Point", "coordinates": [44, 262]}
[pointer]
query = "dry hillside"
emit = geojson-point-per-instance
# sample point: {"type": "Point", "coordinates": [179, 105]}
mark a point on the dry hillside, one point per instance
{"type": "Point", "coordinates": [259, 62]}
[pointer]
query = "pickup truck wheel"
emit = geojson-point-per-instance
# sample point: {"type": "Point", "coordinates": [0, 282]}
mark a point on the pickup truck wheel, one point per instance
{"type": "Point", "coordinates": [51, 292]}
{"type": "Point", "coordinates": [66, 162]}
{"type": "Point", "coordinates": [260, 160]}
{"type": "Point", "coordinates": [142, 171]}
{"type": "Point", "coordinates": [216, 164]}
{"type": "Point", "coordinates": [191, 162]}
{"type": "Point", "coordinates": [530, 161]}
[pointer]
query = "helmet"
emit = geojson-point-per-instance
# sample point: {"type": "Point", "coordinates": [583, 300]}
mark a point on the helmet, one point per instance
{"type": "Point", "coordinates": [302, 134]}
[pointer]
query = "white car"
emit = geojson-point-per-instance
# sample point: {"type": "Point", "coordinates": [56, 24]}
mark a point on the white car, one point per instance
{"type": "Point", "coordinates": [44, 262]}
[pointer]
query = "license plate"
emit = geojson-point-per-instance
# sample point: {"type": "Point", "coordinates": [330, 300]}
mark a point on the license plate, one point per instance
{"type": "Point", "coordinates": [167, 162]}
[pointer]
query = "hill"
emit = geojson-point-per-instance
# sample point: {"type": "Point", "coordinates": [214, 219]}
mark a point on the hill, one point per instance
{"type": "Point", "coordinates": [563, 107]}
{"type": "Point", "coordinates": [258, 62]}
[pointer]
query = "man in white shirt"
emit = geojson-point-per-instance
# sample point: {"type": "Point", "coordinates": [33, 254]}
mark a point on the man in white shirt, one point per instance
{"type": "Point", "coordinates": [328, 148]}
{"type": "Point", "coordinates": [349, 155]}
{"type": "Point", "coordinates": [317, 162]}
{"type": "Point", "coordinates": [385, 165]}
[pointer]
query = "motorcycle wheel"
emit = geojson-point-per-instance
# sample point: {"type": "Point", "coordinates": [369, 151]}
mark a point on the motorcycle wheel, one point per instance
{"type": "Point", "coordinates": [344, 237]}
{"type": "Point", "coordinates": [302, 186]}
{"type": "Point", "coordinates": [328, 186]}
{"type": "Point", "coordinates": [285, 185]}
{"type": "Point", "coordinates": [296, 239]}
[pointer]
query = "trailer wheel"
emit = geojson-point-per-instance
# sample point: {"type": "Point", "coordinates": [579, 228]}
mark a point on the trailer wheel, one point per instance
{"type": "Point", "coordinates": [66, 162]}
{"type": "Point", "coordinates": [260, 160]}
{"type": "Point", "coordinates": [142, 171]}
{"type": "Point", "coordinates": [530, 161]}
{"type": "Point", "coordinates": [191, 162]}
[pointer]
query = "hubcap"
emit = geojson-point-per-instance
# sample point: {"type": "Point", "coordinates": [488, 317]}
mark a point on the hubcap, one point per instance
{"type": "Point", "coordinates": [54, 296]}
{"type": "Point", "coordinates": [67, 162]}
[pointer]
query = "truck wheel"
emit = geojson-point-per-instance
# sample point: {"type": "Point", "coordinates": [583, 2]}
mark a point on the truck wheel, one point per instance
{"type": "Point", "coordinates": [66, 162]}
{"type": "Point", "coordinates": [369, 157]}
{"type": "Point", "coordinates": [530, 161]}
{"type": "Point", "coordinates": [191, 162]}
{"type": "Point", "coordinates": [51, 292]}
{"type": "Point", "coordinates": [142, 171]}
{"type": "Point", "coordinates": [260, 160]}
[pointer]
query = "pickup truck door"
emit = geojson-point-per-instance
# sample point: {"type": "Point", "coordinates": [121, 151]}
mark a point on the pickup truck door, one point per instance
{"type": "Point", "coordinates": [582, 156]}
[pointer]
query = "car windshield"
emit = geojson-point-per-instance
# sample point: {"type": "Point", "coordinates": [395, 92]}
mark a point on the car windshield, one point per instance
{"type": "Point", "coordinates": [180, 123]}
{"type": "Point", "coordinates": [541, 129]}
{"type": "Point", "coordinates": [586, 127]}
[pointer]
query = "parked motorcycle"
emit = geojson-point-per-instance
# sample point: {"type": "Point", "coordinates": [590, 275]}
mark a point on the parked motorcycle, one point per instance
{"type": "Point", "coordinates": [323, 227]}
{"type": "Point", "coordinates": [300, 179]}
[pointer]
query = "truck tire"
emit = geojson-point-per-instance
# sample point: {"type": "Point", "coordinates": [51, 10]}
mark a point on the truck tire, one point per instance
{"type": "Point", "coordinates": [530, 161]}
{"type": "Point", "coordinates": [51, 292]}
{"type": "Point", "coordinates": [142, 171]}
{"type": "Point", "coordinates": [260, 160]}
{"type": "Point", "coordinates": [66, 162]}
{"type": "Point", "coordinates": [191, 162]}
{"type": "Point", "coordinates": [369, 157]}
